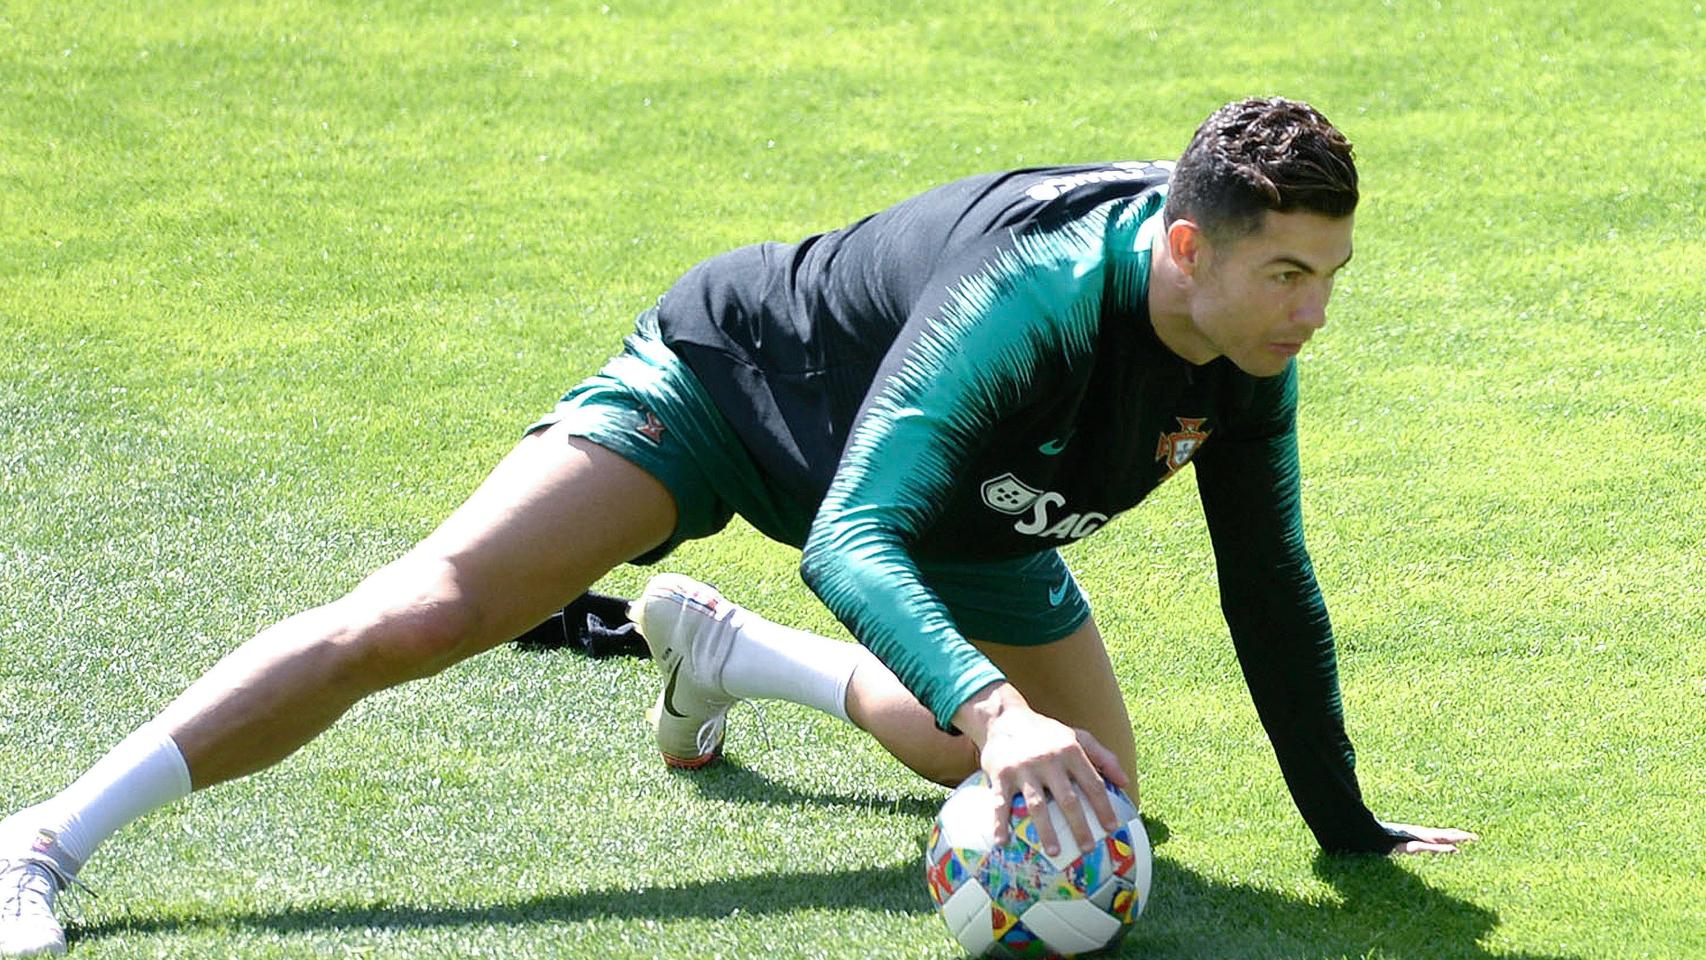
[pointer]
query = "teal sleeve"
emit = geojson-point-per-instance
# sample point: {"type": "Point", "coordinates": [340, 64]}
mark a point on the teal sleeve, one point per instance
{"type": "Point", "coordinates": [1250, 493]}
{"type": "Point", "coordinates": [995, 339]}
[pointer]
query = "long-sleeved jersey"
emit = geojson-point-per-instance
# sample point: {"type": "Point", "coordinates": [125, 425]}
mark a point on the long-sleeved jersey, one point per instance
{"type": "Point", "coordinates": [972, 374]}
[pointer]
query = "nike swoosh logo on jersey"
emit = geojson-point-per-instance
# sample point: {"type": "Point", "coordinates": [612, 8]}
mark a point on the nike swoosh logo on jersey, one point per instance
{"type": "Point", "coordinates": [669, 693]}
{"type": "Point", "coordinates": [1054, 446]}
{"type": "Point", "coordinates": [1057, 594]}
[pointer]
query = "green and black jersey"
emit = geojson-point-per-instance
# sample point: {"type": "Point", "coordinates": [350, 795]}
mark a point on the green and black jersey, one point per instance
{"type": "Point", "coordinates": [972, 375]}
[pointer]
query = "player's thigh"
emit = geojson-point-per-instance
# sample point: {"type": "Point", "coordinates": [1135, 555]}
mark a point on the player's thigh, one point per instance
{"type": "Point", "coordinates": [1072, 680]}
{"type": "Point", "coordinates": [557, 513]}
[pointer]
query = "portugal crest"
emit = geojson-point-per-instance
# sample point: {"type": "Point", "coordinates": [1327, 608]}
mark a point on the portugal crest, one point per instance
{"type": "Point", "coordinates": [1176, 449]}
{"type": "Point", "coordinates": [650, 427]}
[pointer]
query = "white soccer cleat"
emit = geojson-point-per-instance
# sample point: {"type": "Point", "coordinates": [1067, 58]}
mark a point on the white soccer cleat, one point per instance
{"type": "Point", "coordinates": [30, 881]}
{"type": "Point", "coordinates": [690, 628]}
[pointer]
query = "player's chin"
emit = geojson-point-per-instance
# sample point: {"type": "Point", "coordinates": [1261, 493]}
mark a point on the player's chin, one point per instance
{"type": "Point", "coordinates": [1263, 362]}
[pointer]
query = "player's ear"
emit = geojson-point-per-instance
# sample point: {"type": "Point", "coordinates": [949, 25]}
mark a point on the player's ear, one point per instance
{"type": "Point", "coordinates": [1185, 244]}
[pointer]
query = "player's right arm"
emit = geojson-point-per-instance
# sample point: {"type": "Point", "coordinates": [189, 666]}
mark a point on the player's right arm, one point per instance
{"type": "Point", "coordinates": [1252, 498]}
{"type": "Point", "coordinates": [961, 365]}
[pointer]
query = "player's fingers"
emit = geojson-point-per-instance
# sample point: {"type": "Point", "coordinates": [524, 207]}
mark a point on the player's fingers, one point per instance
{"type": "Point", "coordinates": [1036, 804]}
{"type": "Point", "coordinates": [1446, 836]}
{"type": "Point", "coordinates": [1071, 800]}
{"type": "Point", "coordinates": [1419, 846]}
{"type": "Point", "coordinates": [1090, 782]}
{"type": "Point", "coordinates": [1000, 802]}
{"type": "Point", "coordinates": [1096, 795]}
{"type": "Point", "coordinates": [1015, 787]}
{"type": "Point", "coordinates": [1103, 760]}
{"type": "Point", "coordinates": [1435, 834]}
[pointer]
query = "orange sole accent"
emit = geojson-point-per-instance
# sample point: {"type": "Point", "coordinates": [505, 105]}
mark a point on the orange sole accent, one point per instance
{"type": "Point", "coordinates": [676, 763]}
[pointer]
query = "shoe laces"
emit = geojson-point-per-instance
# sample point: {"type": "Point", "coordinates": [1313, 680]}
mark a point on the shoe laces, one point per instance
{"type": "Point", "coordinates": [37, 870]}
{"type": "Point", "coordinates": [710, 734]}
{"type": "Point", "coordinates": [30, 888]}
{"type": "Point", "coordinates": [712, 731]}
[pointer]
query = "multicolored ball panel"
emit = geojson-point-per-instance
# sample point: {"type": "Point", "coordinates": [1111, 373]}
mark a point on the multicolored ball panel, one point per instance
{"type": "Point", "coordinates": [1124, 906]}
{"type": "Point", "coordinates": [1019, 943]}
{"type": "Point", "coordinates": [1089, 870]}
{"type": "Point", "coordinates": [1079, 901]}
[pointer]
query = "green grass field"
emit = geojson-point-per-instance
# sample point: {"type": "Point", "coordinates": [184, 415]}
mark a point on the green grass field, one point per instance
{"type": "Point", "coordinates": [280, 281]}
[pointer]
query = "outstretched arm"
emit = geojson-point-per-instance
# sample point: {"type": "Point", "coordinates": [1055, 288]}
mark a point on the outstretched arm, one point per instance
{"type": "Point", "coordinates": [1251, 497]}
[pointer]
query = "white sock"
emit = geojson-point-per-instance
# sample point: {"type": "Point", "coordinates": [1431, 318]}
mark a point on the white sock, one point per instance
{"type": "Point", "coordinates": [143, 773]}
{"type": "Point", "coordinates": [771, 662]}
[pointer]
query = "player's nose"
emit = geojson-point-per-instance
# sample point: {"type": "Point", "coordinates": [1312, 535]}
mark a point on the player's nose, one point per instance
{"type": "Point", "coordinates": [1311, 312]}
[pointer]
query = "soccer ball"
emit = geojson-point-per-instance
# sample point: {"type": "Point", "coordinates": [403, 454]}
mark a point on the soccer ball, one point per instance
{"type": "Point", "coordinates": [1014, 900]}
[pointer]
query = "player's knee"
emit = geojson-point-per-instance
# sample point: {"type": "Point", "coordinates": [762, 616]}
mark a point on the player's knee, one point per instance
{"type": "Point", "coordinates": [949, 766]}
{"type": "Point", "coordinates": [411, 622]}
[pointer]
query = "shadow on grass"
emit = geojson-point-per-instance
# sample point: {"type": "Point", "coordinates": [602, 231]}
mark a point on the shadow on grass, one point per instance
{"type": "Point", "coordinates": [1386, 912]}
{"type": "Point", "coordinates": [731, 781]}
{"type": "Point", "coordinates": [898, 888]}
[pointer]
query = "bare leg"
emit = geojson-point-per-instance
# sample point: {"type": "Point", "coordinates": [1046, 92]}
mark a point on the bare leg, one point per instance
{"type": "Point", "coordinates": [553, 517]}
{"type": "Point", "coordinates": [1070, 680]}
{"type": "Point", "coordinates": [880, 706]}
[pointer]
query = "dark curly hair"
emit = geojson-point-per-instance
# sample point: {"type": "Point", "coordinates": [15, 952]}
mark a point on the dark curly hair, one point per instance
{"type": "Point", "coordinates": [1264, 153]}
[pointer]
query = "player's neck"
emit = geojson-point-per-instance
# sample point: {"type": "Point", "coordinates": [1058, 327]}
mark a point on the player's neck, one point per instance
{"type": "Point", "coordinates": [1170, 307]}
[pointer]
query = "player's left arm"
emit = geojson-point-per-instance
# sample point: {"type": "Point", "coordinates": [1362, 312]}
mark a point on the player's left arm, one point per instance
{"type": "Point", "coordinates": [1251, 495]}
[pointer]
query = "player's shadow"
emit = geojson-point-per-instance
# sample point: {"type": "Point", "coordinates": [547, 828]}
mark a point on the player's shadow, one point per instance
{"type": "Point", "coordinates": [898, 888]}
{"type": "Point", "coordinates": [731, 781]}
{"type": "Point", "coordinates": [1384, 909]}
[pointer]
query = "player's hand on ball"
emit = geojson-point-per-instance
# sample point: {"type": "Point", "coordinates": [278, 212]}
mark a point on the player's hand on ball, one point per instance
{"type": "Point", "coordinates": [1032, 757]}
{"type": "Point", "coordinates": [1430, 839]}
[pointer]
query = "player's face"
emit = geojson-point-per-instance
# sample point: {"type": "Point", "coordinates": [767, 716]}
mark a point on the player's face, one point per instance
{"type": "Point", "coordinates": [1257, 299]}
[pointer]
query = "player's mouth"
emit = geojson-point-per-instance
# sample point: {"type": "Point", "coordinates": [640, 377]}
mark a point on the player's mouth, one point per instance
{"type": "Point", "coordinates": [1286, 348]}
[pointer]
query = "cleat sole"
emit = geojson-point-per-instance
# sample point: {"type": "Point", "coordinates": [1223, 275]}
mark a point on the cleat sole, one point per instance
{"type": "Point", "coordinates": [677, 763]}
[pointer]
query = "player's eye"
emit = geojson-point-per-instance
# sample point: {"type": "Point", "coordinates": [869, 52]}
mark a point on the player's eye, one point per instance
{"type": "Point", "coordinates": [1287, 278]}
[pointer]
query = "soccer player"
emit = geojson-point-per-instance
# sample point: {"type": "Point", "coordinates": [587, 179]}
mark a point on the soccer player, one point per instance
{"type": "Point", "coordinates": [928, 402]}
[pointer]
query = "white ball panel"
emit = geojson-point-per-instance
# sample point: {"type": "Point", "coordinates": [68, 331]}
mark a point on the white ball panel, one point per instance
{"type": "Point", "coordinates": [1103, 896]}
{"type": "Point", "coordinates": [1063, 834]}
{"type": "Point", "coordinates": [967, 915]}
{"type": "Point", "coordinates": [1071, 926]}
{"type": "Point", "coordinates": [968, 817]}
{"type": "Point", "coordinates": [1144, 868]}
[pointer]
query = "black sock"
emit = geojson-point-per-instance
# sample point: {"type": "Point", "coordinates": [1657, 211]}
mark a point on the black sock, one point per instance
{"type": "Point", "coordinates": [595, 624]}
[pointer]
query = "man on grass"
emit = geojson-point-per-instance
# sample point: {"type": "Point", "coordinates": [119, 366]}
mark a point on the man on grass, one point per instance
{"type": "Point", "coordinates": [928, 402]}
